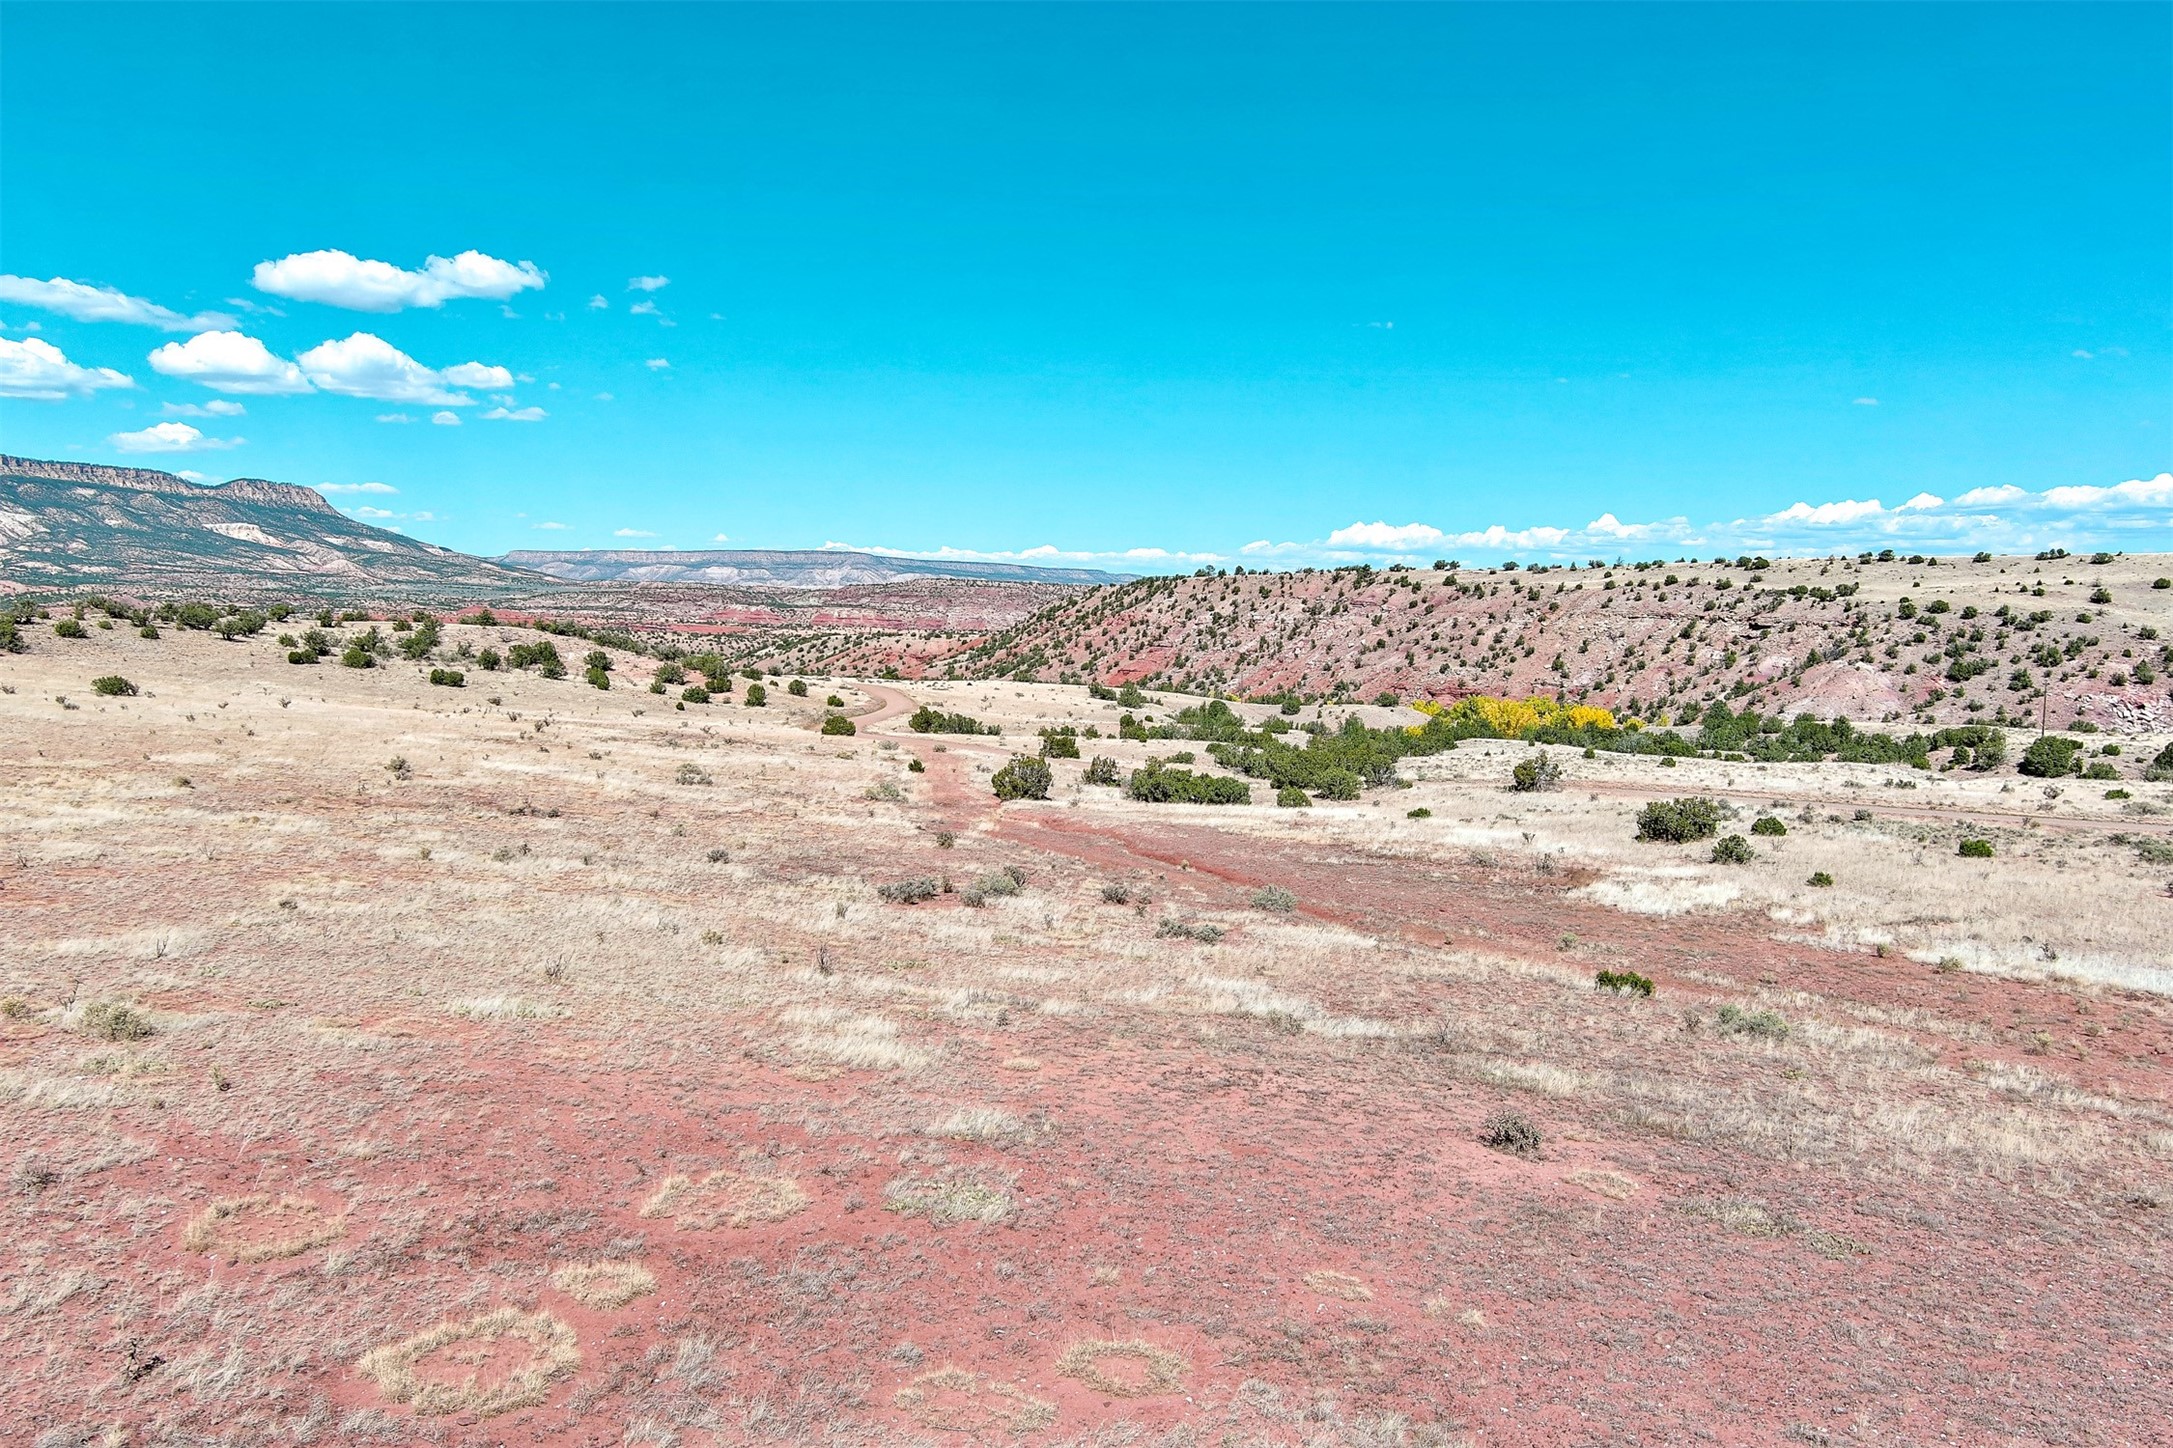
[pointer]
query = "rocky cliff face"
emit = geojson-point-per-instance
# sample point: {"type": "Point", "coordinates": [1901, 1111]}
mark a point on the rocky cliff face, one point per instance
{"type": "Point", "coordinates": [74, 525]}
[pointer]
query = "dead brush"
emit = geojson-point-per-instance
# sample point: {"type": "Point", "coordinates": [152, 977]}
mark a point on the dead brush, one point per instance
{"type": "Point", "coordinates": [604, 1284]}
{"type": "Point", "coordinates": [262, 1228]}
{"type": "Point", "coordinates": [401, 1369]}
{"type": "Point", "coordinates": [725, 1199]}
{"type": "Point", "coordinates": [950, 1197]}
{"type": "Point", "coordinates": [1158, 1370]}
{"type": "Point", "coordinates": [953, 1400]}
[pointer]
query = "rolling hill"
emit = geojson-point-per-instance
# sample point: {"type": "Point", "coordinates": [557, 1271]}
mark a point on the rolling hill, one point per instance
{"type": "Point", "coordinates": [780, 568]}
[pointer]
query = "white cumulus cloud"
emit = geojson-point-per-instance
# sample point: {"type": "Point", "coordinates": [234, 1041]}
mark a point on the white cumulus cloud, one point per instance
{"type": "Point", "coordinates": [647, 284]}
{"type": "Point", "coordinates": [366, 365]}
{"type": "Point", "coordinates": [230, 362]}
{"type": "Point", "coordinates": [552, 527]}
{"type": "Point", "coordinates": [658, 364]}
{"type": "Point", "coordinates": [477, 374]}
{"type": "Point", "coordinates": [40, 371]}
{"type": "Point", "coordinates": [341, 279]}
{"type": "Point", "coordinates": [103, 304]}
{"type": "Point", "coordinates": [217, 407]}
{"type": "Point", "coordinates": [2005, 494]}
{"type": "Point", "coordinates": [169, 437]}
{"type": "Point", "coordinates": [445, 419]}
{"type": "Point", "coordinates": [1384, 535]}
{"type": "Point", "coordinates": [516, 414]}
{"type": "Point", "coordinates": [643, 309]}
{"type": "Point", "coordinates": [1848, 510]}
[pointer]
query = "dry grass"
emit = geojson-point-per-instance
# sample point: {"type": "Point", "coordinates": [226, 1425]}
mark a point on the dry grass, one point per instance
{"type": "Point", "coordinates": [725, 1199]}
{"type": "Point", "coordinates": [1611, 1184]}
{"type": "Point", "coordinates": [951, 1196]}
{"type": "Point", "coordinates": [953, 1400]}
{"type": "Point", "coordinates": [838, 1037]}
{"type": "Point", "coordinates": [1151, 1370]}
{"type": "Point", "coordinates": [261, 1228]}
{"type": "Point", "coordinates": [604, 1284]}
{"type": "Point", "coordinates": [476, 1377]}
{"type": "Point", "coordinates": [1330, 1283]}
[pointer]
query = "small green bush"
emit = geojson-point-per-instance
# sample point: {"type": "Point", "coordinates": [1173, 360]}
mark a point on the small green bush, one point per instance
{"type": "Point", "coordinates": [756, 697]}
{"type": "Point", "coordinates": [115, 1021]}
{"type": "Point", "coordinates": [1023, 778]}
{"type": "Point", "coordinates": [1623, 982]}
{"type": "Point", "coordinates": [1768, 825]}
{"type": "Point", "coordinates": [1421, 813]}
{"type": "Point", "coordinates": [598, 677]}
{"type": "Point", "coordinates": [914, 766]}
{"type": "Point", "coordinates": [449, 678]}
{"type": "Point", "coordinates": [68, 628]}
{"type": "Point", "coordinates": [1292, 797]}
{"type": "Point", "coordinates": [927, 720]}
{"type": "Point", "coordinates": [113, 686]}
{"type": "Point", "coordinates": [358, 657]}
{"type": "Point", "coordinates": [1679, 821]}
{"type": "Point", "coordinates": [839, 725]}
{"type": "Point", "coordinates": [1274, 898]}
{"type": "Point", "coordinates": [2101, 771]}
{"type": "Point", "coordinates": [1760, 1025]}
{"type": "Point", "coordinates": [1101, 769]}
{"type": "Point", "coordinates": [1975, 850]}
{"type": "Point", "coordinates": [797, 688]}
{"type": "Point", "coordinates": [1536, 774]}
{"type": "Point", "coordinates": [1059, 744]}
{"type": "Point", "coordinates": [694, 694]}
{"type": "Point", "coordinates": [1160, 784]}
{"type": "Point", "coordinates": [301, 656]}
{"type": "Point", "coordinates": [835, 702]}
{"type": "Point", "coordinates": [2160, 769]}
{"type": "Point", "coordinates": [910, 892]}
{"type": "Point", "coordinates": [1820, 879]}
{"type": "Point", "coordinates": [1734, 850]}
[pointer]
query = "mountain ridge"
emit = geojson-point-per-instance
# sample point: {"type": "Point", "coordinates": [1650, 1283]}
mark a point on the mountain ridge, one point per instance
{"type": "Point", "coordinates": [780, 567]}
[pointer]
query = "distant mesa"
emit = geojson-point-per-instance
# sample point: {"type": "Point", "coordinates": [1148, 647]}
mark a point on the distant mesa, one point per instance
{"type": "Point", "coordinates": [779, 568]}
{"type": "Point", "coordinates": [86, 525]}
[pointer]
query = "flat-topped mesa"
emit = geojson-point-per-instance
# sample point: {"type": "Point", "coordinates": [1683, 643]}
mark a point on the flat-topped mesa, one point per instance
{"type": "Point", "coordinates": [150, 480]}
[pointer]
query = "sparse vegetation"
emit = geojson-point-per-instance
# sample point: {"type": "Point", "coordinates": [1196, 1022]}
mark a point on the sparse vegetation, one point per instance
{"type": "Point", "coordinates": [1536, 774]}
{"type": "Point", "coordinates": [1679, 821]}
{"type": "Point", "coordinates": [1025, 777]}
{"type": "Point", "coordinates": [838, 726]}
{"type": "Point", "coordinates": [1511, 1133]}
{"type": "Point", "coordinates": [1758, 1025]}
{"type": "Point", "coordinates": [1974, 849]}
{"type": "Point", "coordinates": [1733, 850]}
{"type": "Point", "coordinates": [113, 686]}
{"type": "Point", "coordinates": [911, 891]}
{"type": "Point", "coordinates": [1623, 982]}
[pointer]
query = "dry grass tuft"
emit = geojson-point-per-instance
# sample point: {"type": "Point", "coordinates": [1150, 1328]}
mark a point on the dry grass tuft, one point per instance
{"type": "Point", "coordinates": [502, 1008]}
{"type": "Point", "coordinates": [1607, 1183]}
{"type": "Point", "coordinates": [953, 1400]}
{"type": "Point", "coordinates": [604, 1284]}
{"type": "Point", "coordinates": [950, 1197]}
{"type": "Point", "coordinates": [980, 1123]}
{"type": "Point", "coordinates": [725, 1199]}
{"type": "Point", "coordinates": [846, 1038]}
{"type": "Point", "coordinates": [261, 1229]}
{"type": "Point", "coordinates": [1022, 1063]}
{"type": "Point", "coordinates": [1155, 1370]}
{"type": "Point", "coordinates": [1330, 1283]}
{"type": "Point", "coordinates": [407, 1372]}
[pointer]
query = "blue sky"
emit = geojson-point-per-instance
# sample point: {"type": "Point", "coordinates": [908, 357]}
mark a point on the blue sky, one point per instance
{"type": "Point", "coordinates": [1135, 286]}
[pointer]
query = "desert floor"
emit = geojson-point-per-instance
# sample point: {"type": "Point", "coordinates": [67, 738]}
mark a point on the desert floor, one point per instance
{"type": "Point", "coordinates": [571, 1083]}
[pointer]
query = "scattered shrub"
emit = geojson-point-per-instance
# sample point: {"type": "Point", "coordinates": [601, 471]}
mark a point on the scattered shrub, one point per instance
{"type": "Point", "coordinates": [1768, 825]}
{"type": "Point", "coordinates": [1679, 821]}
{"type": "Point", "coordinates": [1292, 797]}
{"type": "Point", "coordinates": [2160, 769]}
{"type": "Point", "coordinates": [358, 657]}
{"type": "Point", "coordinates": [928, 720]}
{"type": "Point", "coordinates": [1820, 879]}
{"type": "Point", "coordinates": [1734, 850]}
{"type": "Point", "coordinates": [1115, 892]}
{"type": "Point", "coordinates": [842, 727]}
{"type": "Point", "coordinates": [1421, 813]}
{"type": "Point", "coordinates": [1101, 769]}
{"type": "Point", "coordinates": [1171, 928]}
{"type": "Point", "coordinates": [68, 628]}
{"type": "Point", "coordinates": [1275, 898]}
{"type": "Point", "coordinates": [1623, 982]}
{"type": "Point", "coordinates": [598, 677]}
{"type": "Point", "coordinates": [449, 678]}
{"type": "Point", "coordinates": [2050, 757]}
{"type": "Point", "coordinates": [914, 766]}
{"type": "Point", "coordinates": [1761, 1025]}
{"type": "Point", "coordinates": [113, 686]}
{"type": "Point", "coordinates": [910, 892]}
{"type": "Point", "coordinates": [1975, 849]}
{"type": "Point", "coordinates": [114, 1021]}
{"type": "Point", "coordinates": [694, 694]}
{"type": "Point", "coordinates": [1159, 784]}
{"type": "Point", "coordinates": [1535, 775]}
{"type": "Point", "coordinates": [1059, 744]}
{"type": "Point", "coordinates": [756, 697]}
{"type": "Point", "coordinates": [692, 773]}
{"type": "Point", "coordinates": [1023, 778]}
{"type": "Point", "coordinates": [1511, 1133]}
{"type": "Point", "coordinates": [797, 688]}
